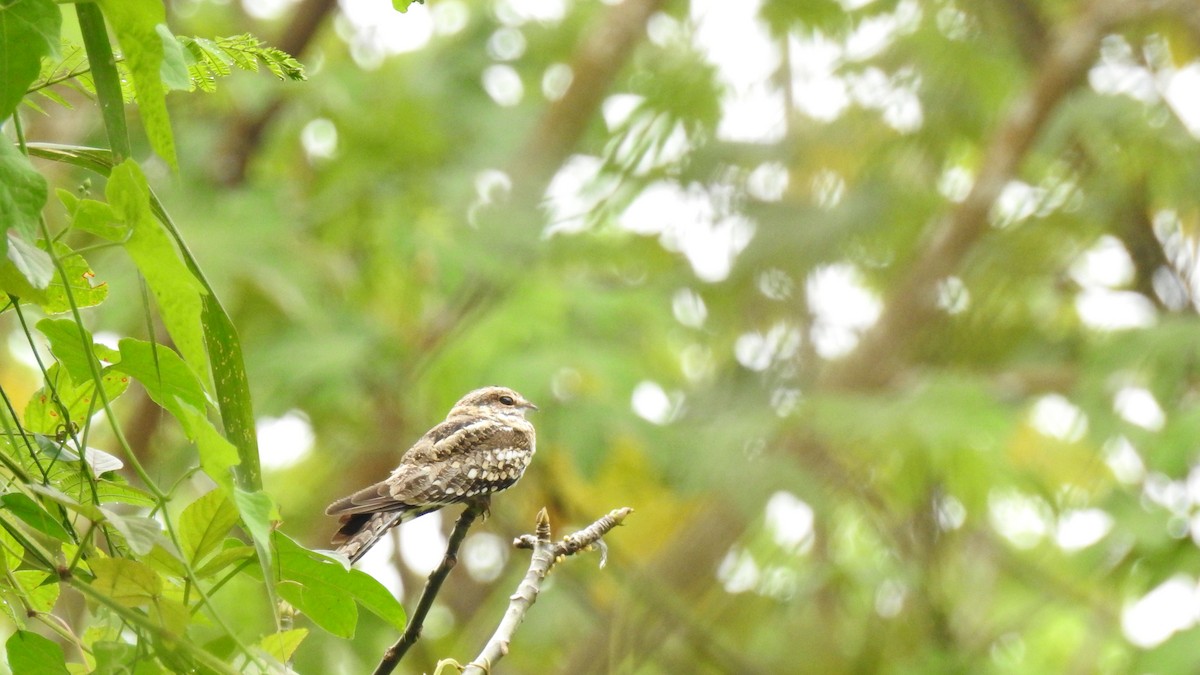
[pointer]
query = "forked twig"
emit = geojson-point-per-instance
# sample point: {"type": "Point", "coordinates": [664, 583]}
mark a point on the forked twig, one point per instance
{"type": "Point", "coordinates": [545, 555]}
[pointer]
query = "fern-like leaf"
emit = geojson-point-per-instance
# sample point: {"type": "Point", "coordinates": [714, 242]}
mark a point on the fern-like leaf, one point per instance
{"type": "Point", "coordinates": [208, 60]}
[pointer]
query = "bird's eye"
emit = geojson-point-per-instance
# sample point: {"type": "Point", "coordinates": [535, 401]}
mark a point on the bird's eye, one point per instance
{"type": "Point", "coordinates": [506, 400]}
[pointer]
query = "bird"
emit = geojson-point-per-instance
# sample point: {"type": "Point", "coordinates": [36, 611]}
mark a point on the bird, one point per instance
{"type": "Point", "coordinates": [483, 447]}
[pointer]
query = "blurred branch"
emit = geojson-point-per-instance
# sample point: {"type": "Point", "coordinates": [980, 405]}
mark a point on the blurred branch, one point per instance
{"type": "Point", "coordinates": [912, 305]}
{"type": "Point", "coordinates": [1027, 26]}
{"type": "Point", "coordinates": [593, 69]}
{"type": "Point", "coordinates": [392, 656]}
{"type": "Point", "coordinates": [545, 555]}
{"type": "Point", "coordinates": [246, 131]}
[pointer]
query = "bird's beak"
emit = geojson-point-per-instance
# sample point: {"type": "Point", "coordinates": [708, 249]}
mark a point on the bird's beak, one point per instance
{"type": "Point", "coordinates": [530, 406]}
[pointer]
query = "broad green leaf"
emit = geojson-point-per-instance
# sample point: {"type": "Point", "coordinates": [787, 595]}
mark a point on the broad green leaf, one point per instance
{"type": "Point", "coordinates": [79, 277]}
{"type": "Point", "coordinates": [29, 652]}
{"type": "Point", "coordinates": [176, 290]}
{"type": "Point", "coordinates": [34, 515]}
{"type": "Point", "coordinates": [23, 194]}
{"type": "Point", "coordinates": [403, 5]}
{"type": "Point", "coordinates": [107, 491]}
{"type": "Point", "coordinates": [128, 582]}
{"type": "Point", "coordinates": [41, 595]}
{"type": "Point", "coordinates": [12, 553]}
{"type": "Point", "coordinates": [67, 340]}
{"type": "Point", "coordinates": [329, 609]}
{"type": "Point", "coordinates": [258, 517]}
{"type": "Point", "coordinates": [174, 70]}
{"type": "Point", "coordinates": [98, 218]}
{"type": "Point", "coordinates": [13, 281]}
{"type": "Point", "coordinates": [372, 595]}
{"type": "Point", "coordinates": [99, 460]}
{"type": "Point", "coordinates": [167, 379]}
{"type": "Point", "coordinates": [43, 416]}
{"type": "Point", "coordinates": [174, 386]}
{"type": "Point", "coordinates": [136, 24]}
{"type": "Point", "coordinates": [326, 591]}
{"type": "Point", "coordinates": [10, 606]}
{"type": "Point", "coordinates": [167, 561]}
{"type": "Point", "coordinates": [234, 552]}
{"type": "Point", "coordinates": [141, 533]}
{"type": "Point", "coordinates": [33, 264]}
{"type": "Point", "coordinates": [283, 644]}
{"type": "Point", "coordinates": [204, 524]}
{"type": "Point", "coordinates": [28, 31]}
{"type": "Point", "coordinates": [121, 658]}
{"type": "Point", "coordinates": [61, 498]}
{"type": "Point", "coordinates": [171, 615]}
{"type": "Point", "coordinates": [217, 454]}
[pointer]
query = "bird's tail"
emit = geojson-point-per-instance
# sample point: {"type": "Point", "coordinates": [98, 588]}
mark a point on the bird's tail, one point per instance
{"type": "Point", "coordinates": [360, 531]}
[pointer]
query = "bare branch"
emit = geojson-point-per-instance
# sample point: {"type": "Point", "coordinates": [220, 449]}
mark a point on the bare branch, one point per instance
{"type": "Point", "coordinates": [392, 656]}
{"type": "Point", "coordinates": [545, 555]}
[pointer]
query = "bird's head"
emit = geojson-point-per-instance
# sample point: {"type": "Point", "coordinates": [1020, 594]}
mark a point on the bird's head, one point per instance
{"type": "Point", "coordinates": [493, 400]}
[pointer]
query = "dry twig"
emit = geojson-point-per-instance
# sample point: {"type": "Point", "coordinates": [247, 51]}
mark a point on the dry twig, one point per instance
{"type": "Point", "coordinates": [545, 555]}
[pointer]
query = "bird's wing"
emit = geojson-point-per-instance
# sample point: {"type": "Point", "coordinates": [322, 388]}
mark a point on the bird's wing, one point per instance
{"type": "Point", "coordinates": [441, 458]}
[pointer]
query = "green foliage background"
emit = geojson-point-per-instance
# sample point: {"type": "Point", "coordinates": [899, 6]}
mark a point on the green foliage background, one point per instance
{"type": "Point", "coordinates": [371, 285]}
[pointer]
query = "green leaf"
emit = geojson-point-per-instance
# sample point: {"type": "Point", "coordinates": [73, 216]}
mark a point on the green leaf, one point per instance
{"type": "Point", "coordinates": [67, 340]}
{"type": "Point", "coordinates": [11, 552]}
{"type": "Point", "coordinates": [167, 560]}
{"type": "Point", "coordinates": [28, 31]}
{"type": "Point", "coordinates": [98, 218]}
{"type": "Point", "coordinates": [136, 24]}
{"type": "Point", "coordinates": [14, 283]}
{"type": "Point", "coordinates": [140, 532]}
{"type": "Point", "coordinates": [99, 460]}
{"type": "Point", "coordinates": [167, 379]}
{"type": "Point", "coordinates": [63, 499]}
{"type": "Point", "coordinates": [372, 595]}
{"type": "Point", "coordinates": [128, 582]}
{"type": "Point", "coordinates": [174, 70]}
{"type": "Point", "coordinates": [79, 275]}
{"type": "Point", "coordinates": [204, 524]}
{"type": "Point", "coordinates": [306, 588]}
{"type": "Point", "coordinates": [41, 595]}
{"type": "Point", "coordinates": [107, 491]}
{"type": "Point", "coordinates": [258, 516]}
{"type": "Point", "coordinates": [31, 653]}
{"type": "Point", "coordinates": [23, 193]}
{"type": "Point", "coordinates": [326, 591]}
{"type": "Point", "coordinates": [403, 5]}
{"type": "Point", "coordinates": [234, 552]}
{"type": "Point", "coordinates": [283, 644]}
{"type": "Point", "coordinates": [33, 263]}
{"type": "Point", "coordinates": [34, 515]}
{"type": "Point", "coordinates": [115, 658]}
{"type": "Point", "coordinates": [43, 416]}
{"type": "Point", "coordinates": [217, 455]}
{"type": "Point", "coordinates": [172, 385]}
{"type": "Point", "coordinates": [175, 288]}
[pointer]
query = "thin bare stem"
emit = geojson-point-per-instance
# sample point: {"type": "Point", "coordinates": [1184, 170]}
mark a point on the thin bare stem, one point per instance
{"type": "Point", "coordinates": [412, 631]}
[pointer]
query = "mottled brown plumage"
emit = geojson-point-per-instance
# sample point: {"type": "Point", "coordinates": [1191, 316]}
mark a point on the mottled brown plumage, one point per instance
{"type": "Point", "coordinates": [482, 448]}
